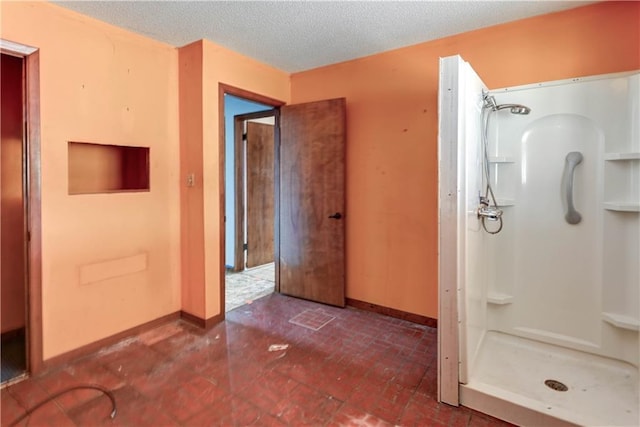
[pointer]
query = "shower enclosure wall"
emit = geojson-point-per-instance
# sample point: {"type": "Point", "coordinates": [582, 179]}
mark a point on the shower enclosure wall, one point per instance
{"type": "Point", "coordinates": [546, 312]}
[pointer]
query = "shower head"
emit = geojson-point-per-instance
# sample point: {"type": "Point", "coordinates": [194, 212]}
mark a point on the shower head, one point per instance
{"type": "Point", "coordinates": [490, 103]}
{"type": "Point", "coordinates": [514, 108]}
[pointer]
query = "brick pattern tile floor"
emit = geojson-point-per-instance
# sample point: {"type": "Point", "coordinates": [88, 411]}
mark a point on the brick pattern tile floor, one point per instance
{"type": "Point", "coordinates": [360, 369]}
{"type": "Point", "coordinates": [312, 319]}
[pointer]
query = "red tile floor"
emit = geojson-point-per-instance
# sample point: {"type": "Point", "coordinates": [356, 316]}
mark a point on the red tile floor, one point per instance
{"type": "Point", "coordinates": [359, 369]}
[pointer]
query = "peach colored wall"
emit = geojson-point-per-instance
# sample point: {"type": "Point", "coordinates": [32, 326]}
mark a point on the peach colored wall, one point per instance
{"type": "Point", "coordinates": [102, 84]}
{"type": "Point", "coordinates": [222, 65]}
{"type": "Point", "coordinates": [191, 199]}
{"type": "Point", "coordinates": [13, 291]}
{"type": "Point", "coordinates": [392, 123]}
{"type": "Point", "coordinates": [219, 65]}
{"type": "Point", "coordinates": [106, 85]}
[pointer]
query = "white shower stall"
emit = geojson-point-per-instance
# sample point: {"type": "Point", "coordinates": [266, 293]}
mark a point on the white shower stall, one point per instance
{"type": "Point", "coordinates": [539, 322]}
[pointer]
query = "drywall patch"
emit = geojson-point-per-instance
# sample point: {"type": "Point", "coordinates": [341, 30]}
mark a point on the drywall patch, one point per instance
{"type": "Point", "coordinates": [97, 272]}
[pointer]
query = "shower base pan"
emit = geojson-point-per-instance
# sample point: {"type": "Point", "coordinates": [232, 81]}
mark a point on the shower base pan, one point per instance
{"type": "Point", "coordinates": [508, 381]}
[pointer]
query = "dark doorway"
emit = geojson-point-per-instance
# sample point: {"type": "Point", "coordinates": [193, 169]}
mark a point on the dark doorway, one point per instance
{"type": "Point", "coordinates": [13, 222]}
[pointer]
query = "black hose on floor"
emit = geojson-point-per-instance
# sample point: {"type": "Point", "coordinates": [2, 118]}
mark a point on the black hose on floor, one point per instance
{"type": "Point", "coordinates": [108, 393]}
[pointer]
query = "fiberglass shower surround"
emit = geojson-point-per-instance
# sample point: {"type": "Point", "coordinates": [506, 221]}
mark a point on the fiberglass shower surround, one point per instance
{"type": "Point", "coordinates": [549, 308]}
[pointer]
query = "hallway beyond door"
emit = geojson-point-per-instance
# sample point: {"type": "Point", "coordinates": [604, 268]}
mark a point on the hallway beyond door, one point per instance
{"type": "Point", "coordinates": [248, 285]}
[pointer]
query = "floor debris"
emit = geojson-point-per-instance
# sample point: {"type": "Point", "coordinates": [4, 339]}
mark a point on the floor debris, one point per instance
{"type": "Point", "coordinates": [278, 347]}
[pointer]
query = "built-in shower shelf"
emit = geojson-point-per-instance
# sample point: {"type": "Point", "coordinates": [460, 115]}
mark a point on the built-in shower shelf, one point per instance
{"type": "Point", "coordinates": [622, 206]}
{"type": "Point", "coordinates": [621, 321]}
{"type": "Point", "coordinates": [622, 156]}
{"type": "Point", "coordinates": [505, 202]}
{"type": "Point", "coordinates": [499, 298]}
{"type": "Point", "coordinates": [502, 159]}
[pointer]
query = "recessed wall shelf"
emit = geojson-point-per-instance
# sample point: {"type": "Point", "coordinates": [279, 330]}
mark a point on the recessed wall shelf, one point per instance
{"type": "Point", "coordinates": [499, 298]}
{"type": "Point", "coordinates": [622, 206]}
{"type": "Point", "coordinates": [622, 156]}
{"type": "Point", "coordinates": [621, 321]}
{"type": "Point", "coordinates": [502, 159]}
{"type": "Point", "coordinates": [100, 168]}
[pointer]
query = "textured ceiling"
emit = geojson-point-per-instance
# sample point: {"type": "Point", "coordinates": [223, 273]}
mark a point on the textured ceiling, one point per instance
{"type": "Point", "coordinates": [299, 35]}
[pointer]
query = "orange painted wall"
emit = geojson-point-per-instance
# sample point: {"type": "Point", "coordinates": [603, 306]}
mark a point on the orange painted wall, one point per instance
{"type": "Point", "coordinates": [99, 83]}
{"type": "Point", "coordinates": [219, 65]}
{"type": "Point", "coordinates": [392, 123]}
{"type": "Point", "coordinates": [222, 65]}
{"type": "Point", "coordinates": [191, 198]}
{"type": "Point", "coordinates": [104, 84]}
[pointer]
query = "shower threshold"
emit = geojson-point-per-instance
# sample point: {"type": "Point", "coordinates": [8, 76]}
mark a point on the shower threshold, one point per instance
{"type": "Point", "coordinates": [508, 381]}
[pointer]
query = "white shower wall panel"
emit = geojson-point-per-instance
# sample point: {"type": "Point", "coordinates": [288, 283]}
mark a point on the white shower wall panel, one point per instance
{"type": "Point", "coordinates": [472, 299]}
{"type": "Point", "coordinates": [559, 281]}
{"type": "Point", "coordinates": [558, 264]}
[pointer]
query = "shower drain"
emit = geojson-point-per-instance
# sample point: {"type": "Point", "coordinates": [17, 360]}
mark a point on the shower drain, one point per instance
{"type": "Point", "coordinates": [556, 385]}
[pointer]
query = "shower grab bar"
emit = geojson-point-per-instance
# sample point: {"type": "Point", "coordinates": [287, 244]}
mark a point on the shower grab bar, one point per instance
{"type": "Point", "coordinates": [572, 160]}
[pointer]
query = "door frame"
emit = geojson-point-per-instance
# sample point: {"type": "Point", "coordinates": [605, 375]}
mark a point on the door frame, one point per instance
{"type": "Point", "coordinates": [225, 89]}
{"type": "Point", "coordinates": [32, 197]}
{"type": "Point", "coordinates": [239, 175]}
{"type": "Point", "coordinates": [450, 138]}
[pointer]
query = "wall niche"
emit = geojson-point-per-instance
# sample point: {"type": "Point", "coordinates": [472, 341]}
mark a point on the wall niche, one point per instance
{"type": "Point", "coordinates": [100, 168]}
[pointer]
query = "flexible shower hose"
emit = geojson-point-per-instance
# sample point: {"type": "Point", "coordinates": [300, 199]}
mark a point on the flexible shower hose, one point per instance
{"type": "Point", "coordinates": [486, 113]}
{"type": "Point", "coordinates": [108, 393]}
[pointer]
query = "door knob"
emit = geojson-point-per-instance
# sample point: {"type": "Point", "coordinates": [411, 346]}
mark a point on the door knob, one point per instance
{"type": "Point", "coordinates": [336, 215]}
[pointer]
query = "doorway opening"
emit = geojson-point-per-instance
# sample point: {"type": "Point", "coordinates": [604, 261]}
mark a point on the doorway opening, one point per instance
{"type": "Point", "coordinates": [13, 234]}
{"type": "Point", "coordinates": [20, 213]}
{"type": "Point", "coordinates": [308, 234]}
{"type": "Point", "coordinates": [20, 225]}
{"type": "Point", "coordinates": [249, 200]}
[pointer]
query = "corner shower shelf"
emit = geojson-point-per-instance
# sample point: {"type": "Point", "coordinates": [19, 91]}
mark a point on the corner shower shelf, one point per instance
{"type": "Point", "coordinates": [506, 202]}
{"type": "Point", "coordinates": [502, 159]}
{"type": "Point", "coordinates": [499, 298]}
{"type": "Point", "coordinates": [621, 321]}
{"type": "Point", "coordinates": [622, 206]}
{"type": "Point", "coordinates": [622, 156]}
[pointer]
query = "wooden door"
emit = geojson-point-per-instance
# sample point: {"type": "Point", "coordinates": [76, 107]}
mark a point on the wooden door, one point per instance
{"type": "Point", "coordinates": [260, 195]}
{"type": "Point", "coordinates": [311, 193]}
